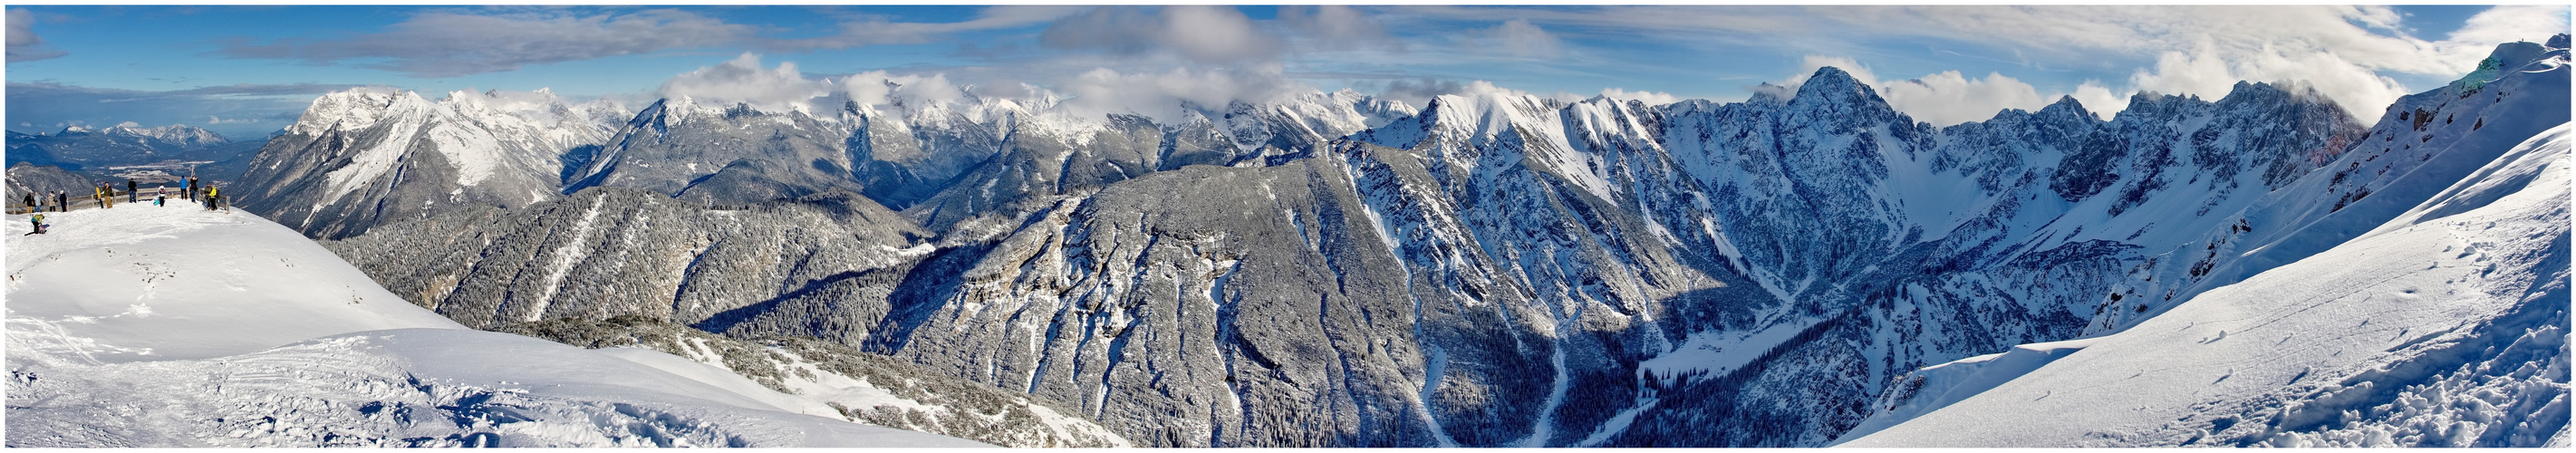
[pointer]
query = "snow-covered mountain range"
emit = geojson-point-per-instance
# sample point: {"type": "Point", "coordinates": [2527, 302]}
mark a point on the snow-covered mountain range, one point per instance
{"type": "Point", "coordinates": [115, 145]}
{"type": "Point", "coordinates": [366, 156]}
{"type": "Point", "coordinates": [1491, 269]}
{"type": "Point", "coordinates": [128, 151]}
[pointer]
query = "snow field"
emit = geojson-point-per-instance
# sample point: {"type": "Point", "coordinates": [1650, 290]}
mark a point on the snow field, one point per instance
{"type": "Point", "coordinates": [174, 326]}
{"type": "Point", "coordinates": [2445, 327]}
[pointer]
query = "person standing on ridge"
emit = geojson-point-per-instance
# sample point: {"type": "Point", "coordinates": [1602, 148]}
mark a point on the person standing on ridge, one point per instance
{"type": "Point", "coordinates": [129, 190]}
{"type": "Point", "coordinates": [192, 188]}
{"type": "Point", "coordinates": [31, 202]}
{"type": "Point", "coordinates": [214, 197]}
{"type": "Point", "coordinates": [61, 199]}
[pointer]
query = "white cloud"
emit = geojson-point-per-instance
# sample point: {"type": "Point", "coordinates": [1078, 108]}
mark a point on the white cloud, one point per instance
{"type": "Point", "coordinates": [1203, 33]}
{"type": "Point", "coordinates": [2211, 74]}
{"type": "Point", "coordinates": [742, 80]}
{"type": "Point", "coordinates": [879, 88]}
{"type": "Point", "coordinates": [1948, 98]}
{"type": "Point", "coordinates": [1519, 38]}
{"type": "Point", "coordinates": [1418, 92]}
{"type": "Point", "coordinates": [2501, 24]}
{"type": "Point", "coordinates": [1162, 96]}
{"type": "Point", "coordinates": [1647, 97]}
{"type": "Point", "coordinates": [868, 30]}
{"type": "Point", "coordinates": [2099, 99]}
{"type": "Point", "coordinates": [214, 120]}
{"type": "Point", "coordinates": [1216, 33]}
{"type": "Point", "coordinates": [1337, 27]}
{"type": "Point", "coordinates": [24, 45]}
{"type": "Point", "coordinates": [442, 44]}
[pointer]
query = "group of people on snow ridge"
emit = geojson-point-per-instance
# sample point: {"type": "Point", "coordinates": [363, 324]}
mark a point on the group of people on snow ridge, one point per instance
{"type": "Point", "coordinates": [104, 196]}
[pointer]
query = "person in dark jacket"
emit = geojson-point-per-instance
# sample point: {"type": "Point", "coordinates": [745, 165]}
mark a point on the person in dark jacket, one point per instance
{"type": "Point", "coordinates": [192, 188]}
{"type": "Point", "coordinates": [129, 190]}
{"type": "Point", "coordinates": [31, 202]}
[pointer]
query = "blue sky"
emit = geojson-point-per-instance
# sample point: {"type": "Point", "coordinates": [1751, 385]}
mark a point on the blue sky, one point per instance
{"type": "Point", "coordinates": [244, 71]}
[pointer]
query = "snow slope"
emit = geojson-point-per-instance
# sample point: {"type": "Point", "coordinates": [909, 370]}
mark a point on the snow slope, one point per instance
{"type": "Point", "coordinates": [173, 326]}
{"type": "Point", "coordinates": [2444, 327]}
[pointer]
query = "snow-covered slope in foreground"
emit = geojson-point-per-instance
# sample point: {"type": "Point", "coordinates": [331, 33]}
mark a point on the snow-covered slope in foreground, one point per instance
{"type": "Point", "coordinates": [175, 326]}
{"type": "Point", "coordinates": [2447, 326]}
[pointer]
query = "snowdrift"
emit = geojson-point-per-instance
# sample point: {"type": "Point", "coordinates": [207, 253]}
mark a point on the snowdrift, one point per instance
{"type": "Point", "coordinates": [2444, 327]}
{"type": "Point", "coordinates": [147, 326]}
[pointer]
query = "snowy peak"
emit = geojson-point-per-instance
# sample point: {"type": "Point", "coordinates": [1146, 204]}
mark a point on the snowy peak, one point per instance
{"type": "Point", "coordinates": [1833, 97]}
{"type": "Point", "coordinates": [2065, 106]}
{"type": "Point", "coordinates": [354, 108]}
{"type": "Point", "coordinates": [175, 135]}
{"type": "Point", "coordinates": [361, 155]}
{"type": "Point", "coordinates": [1834, 82]}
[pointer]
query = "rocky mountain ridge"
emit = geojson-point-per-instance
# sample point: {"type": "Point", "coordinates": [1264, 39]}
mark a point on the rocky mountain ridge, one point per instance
{"type": "Point", "coordinates": [1772, 265]}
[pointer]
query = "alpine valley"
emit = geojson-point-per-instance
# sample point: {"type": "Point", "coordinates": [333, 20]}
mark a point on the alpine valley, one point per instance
{"type": "Point", "coordinates": [1808, 267]}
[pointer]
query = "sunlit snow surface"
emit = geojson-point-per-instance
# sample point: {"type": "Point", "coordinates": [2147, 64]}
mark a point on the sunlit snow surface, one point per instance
{"type": "Point", "coordinates": [149, 326]}
{"type": "Point", "coordinates": [2444, 327]}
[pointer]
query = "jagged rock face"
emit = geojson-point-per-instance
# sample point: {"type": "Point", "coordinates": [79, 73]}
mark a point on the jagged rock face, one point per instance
{"type": "Point", "coordinates": [1574, 232]}
{"type": "Point", "coordinates": [1503, 270]}
{"type": "Point", "coordinates": [360, 158]}
{"type": "Point", "coordinates": [809, 267]}
{"type": "Point", "coordinates": [1431, 329]}
{"type": "Point", "coordinates": [1041, 165]}
{"type": "Point", "coordinates": [724, 155]}
{"type": "Point", "coordinates": [901, 158]}
{"type": "Point", "coordinates": [43, 180]}
{"type": "Point", "coordinates": [1051, 157]}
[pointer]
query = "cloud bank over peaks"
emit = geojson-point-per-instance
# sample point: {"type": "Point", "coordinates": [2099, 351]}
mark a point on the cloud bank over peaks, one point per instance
{"type": "Point", "coordinates": [743, 81]}
{"type": "Point", "coordinates": [1165, 95]}
{"type": "Point", "coordinates": [1949, 98]}
{"type": "Point", "coordinates": [1650, 98]}
{"type": "Point", "coordinates": [880, 90]}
